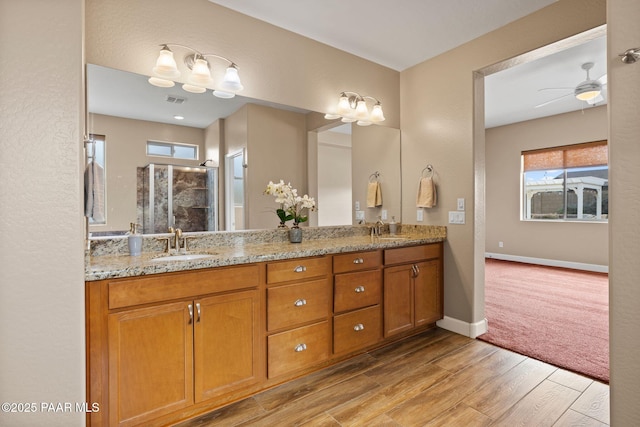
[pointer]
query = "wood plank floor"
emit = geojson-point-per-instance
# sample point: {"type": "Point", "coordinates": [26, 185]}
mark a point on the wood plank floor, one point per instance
{"type": "Point", "coordinates": [437, 378]}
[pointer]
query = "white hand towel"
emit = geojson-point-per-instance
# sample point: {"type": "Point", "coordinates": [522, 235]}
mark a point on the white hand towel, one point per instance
{"type": "Point", "coordinates": [426, 193]}
{"type": "Point", "coordinates": [94, 192]}
{"type": "Point", "coordinates": [374, 195]}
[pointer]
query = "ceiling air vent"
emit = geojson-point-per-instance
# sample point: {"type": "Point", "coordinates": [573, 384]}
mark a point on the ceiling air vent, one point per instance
{"type": "Point", "coordinates": [176, 99]}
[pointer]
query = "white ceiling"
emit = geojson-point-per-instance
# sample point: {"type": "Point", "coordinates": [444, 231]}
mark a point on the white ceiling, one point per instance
{"type": "Point", "coordinates": [396, 34]}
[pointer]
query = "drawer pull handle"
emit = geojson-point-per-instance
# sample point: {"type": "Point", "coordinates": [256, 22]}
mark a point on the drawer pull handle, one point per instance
{"type": "Point", "coordinates": [198, 310]}
{"type": "Point", "coordinates": [300, 269]}
{"type": "Point", "coordinates": [359, 327]}
{"type": "Point", "coordinates": [359, 289]}
{"type": "Point", "coordinates": [190, 313]}
{"type": "Point", "coordinates": [358, 261]}
{"type": "Point", "coordinates": [300, 302]}
{"type": "Point", "coordinates": [300, 347]}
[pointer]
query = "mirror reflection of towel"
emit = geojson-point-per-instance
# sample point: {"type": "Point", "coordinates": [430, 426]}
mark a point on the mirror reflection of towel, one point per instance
{"type": "Point", "coordinates": [426, 193]}
{"type": "Point", "coordinates": [374, 195]}
{"type": "Point", "coordinates": [94, 192]}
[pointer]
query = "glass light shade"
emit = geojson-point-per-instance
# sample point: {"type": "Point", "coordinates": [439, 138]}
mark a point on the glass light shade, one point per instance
{"type": "Point", "coordinates": [363, 123]}
{"type": "Point", "coordinates": [585, 96]}
{"type": "Point", "coordinates": [231, 81]}
{"type": "Point", "coordinates": [376, 114]}
{"type": "Point", "coordinates": [362, 112]}
{"type": "Point", "coordinates": [193, 89]}
{"type": "Point", "coordinates": [331, 116]}
{"type": "Point", "coordinates": [165, 65]}
{"type": "Point", "coordinates": [343, 106]}
{"type": "Point", "coordinates": [200, 73]}
{"type": "Point", "coordinates": [348, 120]}
{"type": "Point", "coordinates": [223, 94]}
{"type": "Point", "coordinates": [161, 82]}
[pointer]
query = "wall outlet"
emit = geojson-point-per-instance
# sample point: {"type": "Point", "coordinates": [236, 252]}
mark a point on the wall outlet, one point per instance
{"type": "Point", "coordinates": [419, 215]}
{"type": "Point", "coordinates": [383, 215]}
{"type": "Point", "coordinates": [357, 205]}
{"type": "Point", "coordinates": [501, 244]}
{"type": "Point", "coordinates": [461, 204]}
{"type": "Point", "coordinates": [359, 215]}
{"type": "Point", "coordinates": [456, 217]}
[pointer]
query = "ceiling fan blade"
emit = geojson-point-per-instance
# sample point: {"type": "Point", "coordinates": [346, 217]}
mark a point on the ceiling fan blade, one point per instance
{"type": "Point", "coordinates": [602, 79]}
{"type": "Point", "coordinates": [555, 88]}
{"type": "Point", "coordinates": [553, 100]}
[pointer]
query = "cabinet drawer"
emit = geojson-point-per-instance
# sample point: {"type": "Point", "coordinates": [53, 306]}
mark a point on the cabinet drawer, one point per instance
{"type": "Point", "coordinates": [357, 261]}
{"type": "Point", "coordinates": [290, 305]}
{"type": "Point", "coordinates": [412, 254]}
{"type": "Point", "coordinates": [357, 290]}
{"type": "Point", "coordinates": [164, 287]}
{"type": "Point", "coordinates": [298, 348]}
{"type": "Point", "coordinates": [357, 329]}
{"type": "Point", "coordinates": [298, 269]}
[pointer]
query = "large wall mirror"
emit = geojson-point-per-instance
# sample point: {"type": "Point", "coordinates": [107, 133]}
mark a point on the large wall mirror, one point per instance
{"type": "Point", "coordinates": [156, 140]}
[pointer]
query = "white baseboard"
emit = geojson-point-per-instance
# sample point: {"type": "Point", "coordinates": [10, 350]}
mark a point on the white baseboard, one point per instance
{"type": "Point", "coordinates": [550, 262]}
{"type": "Point", "coordinates": [471, 330]}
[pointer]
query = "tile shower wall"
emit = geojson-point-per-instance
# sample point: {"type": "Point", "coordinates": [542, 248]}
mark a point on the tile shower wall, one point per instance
{"type": "Point", "coordinates": [176, 196]}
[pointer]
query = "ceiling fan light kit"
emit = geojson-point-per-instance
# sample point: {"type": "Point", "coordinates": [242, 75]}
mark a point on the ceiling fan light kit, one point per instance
{"type": "Point", "coordinates": [589, 91]}
{"type": "Point", "coordinates": [199, 79]}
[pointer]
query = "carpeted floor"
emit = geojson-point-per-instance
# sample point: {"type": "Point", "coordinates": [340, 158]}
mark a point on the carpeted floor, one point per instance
{"type": "Point", "coordinates": [556, 315]}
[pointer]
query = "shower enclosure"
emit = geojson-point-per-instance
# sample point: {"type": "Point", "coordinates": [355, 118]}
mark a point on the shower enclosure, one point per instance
{"type": "Point", "coordinates": [178, 196]}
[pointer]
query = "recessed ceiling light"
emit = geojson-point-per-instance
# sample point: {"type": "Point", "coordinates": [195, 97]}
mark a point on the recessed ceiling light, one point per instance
{"type": "Point", "coordinates": [178, 117]}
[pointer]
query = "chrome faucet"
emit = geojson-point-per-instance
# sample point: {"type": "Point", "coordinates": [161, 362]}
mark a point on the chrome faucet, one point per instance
{"type": "Point", "coordinates": [379, 225]}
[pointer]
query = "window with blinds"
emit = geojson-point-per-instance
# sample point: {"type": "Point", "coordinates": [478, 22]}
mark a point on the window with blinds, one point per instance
{"type": "Point", "coordinates": [566, 183]}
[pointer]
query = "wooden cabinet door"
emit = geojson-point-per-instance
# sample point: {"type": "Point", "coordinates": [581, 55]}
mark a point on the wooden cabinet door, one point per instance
{"type": "Point", "coordinates": [150, 362]}
{"type": "Point", "coordinates": [398, 299]}
{"type": "Point", "coordinates": [428, 301]}
{"type": "Point", "coordinates": [226, 343]}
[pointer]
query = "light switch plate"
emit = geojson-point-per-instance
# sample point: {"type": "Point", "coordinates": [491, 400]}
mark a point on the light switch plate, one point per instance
{"type": "Point", "coordinates": [383, 215]}
{"type": "Point", "coordinates": [419, 215]}
{"type": "Point", "coordinates": [456, 217]}
{"type": "Point", "coordinates": [461, 204]}
{"type": "Point", "coordinates": [359, 215]}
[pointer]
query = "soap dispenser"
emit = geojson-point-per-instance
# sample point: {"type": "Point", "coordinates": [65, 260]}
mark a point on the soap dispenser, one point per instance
{"type": "Point", "coordinates": [393, 226]}
{"type": "Point", "coordinates": [135, 240]}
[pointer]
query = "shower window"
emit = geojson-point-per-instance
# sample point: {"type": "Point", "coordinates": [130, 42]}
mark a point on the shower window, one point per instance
{"type": "Point", "coordinates": [175, 150]}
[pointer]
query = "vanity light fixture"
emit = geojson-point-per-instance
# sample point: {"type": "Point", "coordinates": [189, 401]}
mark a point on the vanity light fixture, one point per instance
{"type": "Point", "coordinates": [199, 79]}
{"type": "Point", "coordinates": [352, 107]}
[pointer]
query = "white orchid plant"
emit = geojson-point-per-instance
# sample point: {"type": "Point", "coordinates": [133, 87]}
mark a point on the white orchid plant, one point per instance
{"type": "Point", "coordinates": [292, 206]}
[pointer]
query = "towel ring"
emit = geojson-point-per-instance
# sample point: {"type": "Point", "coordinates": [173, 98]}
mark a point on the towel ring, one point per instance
{"type": "Point", "coordinates": [429, 170]}
{"type": "Point", "coordinates": [375, 176]}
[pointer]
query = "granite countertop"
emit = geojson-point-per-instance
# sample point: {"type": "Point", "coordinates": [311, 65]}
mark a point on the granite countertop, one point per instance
{"type": "Point", "coordinates": [116, 266]}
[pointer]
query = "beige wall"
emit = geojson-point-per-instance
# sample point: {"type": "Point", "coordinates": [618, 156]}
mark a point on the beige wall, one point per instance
{"type": "Point", "coordinates": [575, 242]}
{"type": "Point", "coordinates": [126, 145]}
{"type": "Point", "coordinates": [275, 65]}
{"type": "Point", "coordinates": [437, 123]}
{"type": "Point", "coordinates": [624, 200]}
{"type": "Point", "coordinates": [41, 250]}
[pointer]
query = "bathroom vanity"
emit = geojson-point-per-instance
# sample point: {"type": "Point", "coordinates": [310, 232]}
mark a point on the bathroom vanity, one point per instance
{"type": "Point", "coordinates": [170, 340]}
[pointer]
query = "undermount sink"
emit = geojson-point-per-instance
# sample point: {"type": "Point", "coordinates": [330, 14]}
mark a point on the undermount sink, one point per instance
{"type": "Point", "coordinates": [181, 257]}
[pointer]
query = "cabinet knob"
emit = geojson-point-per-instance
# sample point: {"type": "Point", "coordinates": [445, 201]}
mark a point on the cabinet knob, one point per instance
{"type": "Point", "coordinates": [359, 289]}
{"type": "Point", "coordinates": [359, 327]}
{"type": "Point", "coordinates": [300, 302]}
{"type": "Point", "coordinates": [300, 347]}
{"type": "Point", "coordinates": [300, 269]}
{"type": "Point", "coordinates": [358, 261]}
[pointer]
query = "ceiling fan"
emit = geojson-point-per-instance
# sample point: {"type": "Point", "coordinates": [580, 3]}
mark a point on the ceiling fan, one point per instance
{"type": "Point", "coordinates": [589, 90]}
